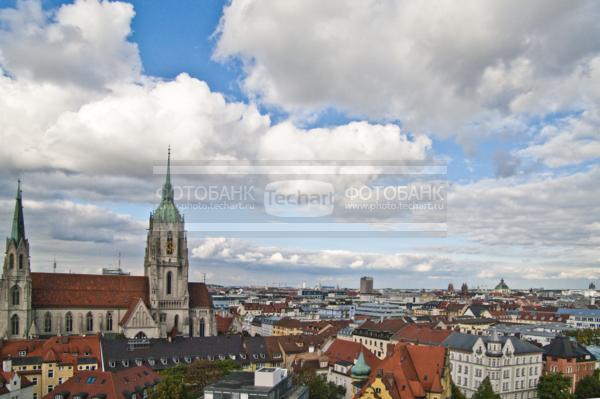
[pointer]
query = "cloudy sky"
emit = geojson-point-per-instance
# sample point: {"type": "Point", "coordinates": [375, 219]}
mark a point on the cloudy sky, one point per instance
{"type": "Point", "coordinates": [506, 92]}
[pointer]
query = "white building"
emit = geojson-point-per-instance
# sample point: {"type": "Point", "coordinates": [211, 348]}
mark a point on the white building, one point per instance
{"type": "Point", "coordinates": [582, 318]}
{"type": "Point", "coordinates": [513, 366]}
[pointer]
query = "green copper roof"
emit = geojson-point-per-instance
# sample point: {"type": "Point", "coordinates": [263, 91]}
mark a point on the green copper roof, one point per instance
{"type": "Point", "coordinates": [502, 285]}
{"type": "Point", "coordinates": [18, 224]}
{"type": "Point", "coordinates": [361, 368]}
{"type": "Point", "coordinates": [167, 211]}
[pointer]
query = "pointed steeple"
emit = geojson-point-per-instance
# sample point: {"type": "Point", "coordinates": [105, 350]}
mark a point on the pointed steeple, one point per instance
{"type": "Point", "coordinates": [18, 224]}
{"type": "Point", "coordinates": [167, 191]}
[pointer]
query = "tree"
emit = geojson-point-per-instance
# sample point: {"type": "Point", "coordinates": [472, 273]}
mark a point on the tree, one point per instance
{"type": "Point", "coordinates": [588, 387]}
{"type": "Point", "coordinates": [554, 386]}
{"type": "Point", "coordinates": [456, 393]}
{"type": "Point", "coordinates": [204, 372]}
{"type": "Point", "coordinates": [318, 386]}
{"type": "Point", "coordinates": [485, 391]}
{"type": "Point", "coordinates": [168, 388]}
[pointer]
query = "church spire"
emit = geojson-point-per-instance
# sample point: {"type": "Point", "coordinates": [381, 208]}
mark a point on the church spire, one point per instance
{"type": "Point", "coordinates": [18, 224]}
{"type": "Point", "coordinates": [167, 191]}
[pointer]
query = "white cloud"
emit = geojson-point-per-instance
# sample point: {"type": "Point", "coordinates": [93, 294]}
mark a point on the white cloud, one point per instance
{"type": "Point", "coordinates": [570, 141]}
{"type": "Point", "coordinates": [438, 67]}
{"type": "Point", "coordinates": [84, 43]}
{"type": "Point", "coordinates": [237, 251]}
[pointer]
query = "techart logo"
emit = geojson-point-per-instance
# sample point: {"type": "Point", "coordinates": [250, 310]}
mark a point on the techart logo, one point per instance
{"type": "Point", "coordinates": [299, 198]}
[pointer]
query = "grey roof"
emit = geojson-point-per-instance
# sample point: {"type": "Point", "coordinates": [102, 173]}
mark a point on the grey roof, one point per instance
{"type": "Point", "coordinates": [165, 354]}
{"type": "Point", "coordinates": [579, 312]}
{"type": "Point", "coordinates": [564, 348]}
{"type": "Point", "coordinates": [465, 342]}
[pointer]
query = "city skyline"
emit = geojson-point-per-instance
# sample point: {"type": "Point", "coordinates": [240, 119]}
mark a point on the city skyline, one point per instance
{"type": "Point", "coordinates": [93, 94]}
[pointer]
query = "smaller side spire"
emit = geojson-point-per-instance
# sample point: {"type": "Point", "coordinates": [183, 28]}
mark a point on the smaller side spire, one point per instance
{"type": "Point", "coordinates": [18, 224]}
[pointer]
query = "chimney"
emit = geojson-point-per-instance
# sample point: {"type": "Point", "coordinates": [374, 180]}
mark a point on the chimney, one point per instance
{"type": "Point", "coordinates": [7, 365]}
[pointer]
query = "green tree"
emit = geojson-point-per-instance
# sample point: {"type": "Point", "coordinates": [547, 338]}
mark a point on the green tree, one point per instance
{"type": "Point", "coordinates": [554, 386]}
{"type": "Point", "coordinates": [168, 388]}
{"type": "Point", "coordinates": [318, 386]}
{"type": "Point", "coordinates": [204, 372]}
{"type": "Point", "coordinates": [588, 387]}
{"type": "Point", "coordinates": [485, 391]}
{"type": "Point", "coordinates": [456, 393]}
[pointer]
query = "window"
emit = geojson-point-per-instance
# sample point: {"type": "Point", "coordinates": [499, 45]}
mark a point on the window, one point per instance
{"type": "Point", "coordinates": [16, 295]}
{"type": "Point", "coordinates": [14, 325]}
{"type": "Point", "coordinates": [109, 321]}
{"type": "Point", "coordinates": [21, 261]}
{"type": "Point", "coordinates": [50, 388]}
{"type": "Point", "coordinates": [90, 380]}
{"type": "Point", "coordinates": [47, 322]}
{"type": "Point", "coordinates": [11, 261]}
{"type": "Point", "coordinates": [69, 322]}
{"type": "Point", "coordinates": [202, 328]}
{"type": "Point", "coordinates": [50, 373]}
{"type": "Point", "coordinates": [169, 282]}
{"type": "Point", "coordinates": [89, 322]}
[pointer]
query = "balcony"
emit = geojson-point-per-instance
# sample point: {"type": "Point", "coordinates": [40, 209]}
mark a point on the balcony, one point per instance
{"type": "Point", "coordinates": [172, 303]}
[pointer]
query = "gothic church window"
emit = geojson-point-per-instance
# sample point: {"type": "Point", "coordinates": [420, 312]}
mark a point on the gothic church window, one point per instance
{"type": "Point", "coordinates": [89, 322]}
{"type": "Point", "coordinates": [69, 322]}
{"type": "Point", "coordinates": [16, 295]}
{"type": "Point", "coordinates": [202, 328]}
{"type": "Point", "coordinates": [11, 261]}
{"type": "Point", "coordinates": [14, 325]}
{"type": "Point", "coordinates": [48, 322]}
{"type": "Point", "coordinates": [169, 283]}
{"type": "Point", "coordinates": [109, 321]}
{"type": "Point", "coordinates": [20, 261]}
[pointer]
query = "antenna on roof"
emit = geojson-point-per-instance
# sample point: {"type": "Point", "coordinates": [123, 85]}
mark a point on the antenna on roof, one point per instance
{"type": "Point", "coordinates": [119, 259]}
{"type": "Point", "coordinates": [54, 265]}
{"type": "Point", "coordinates": [204, 277]}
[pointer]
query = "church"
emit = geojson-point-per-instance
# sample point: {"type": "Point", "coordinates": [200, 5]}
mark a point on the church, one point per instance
{"type": "Point", "coordinates": [161, 303]}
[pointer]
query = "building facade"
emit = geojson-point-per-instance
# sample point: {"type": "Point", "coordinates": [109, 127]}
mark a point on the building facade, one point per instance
{"type": "Point", "coordinates": [162, 302]}
{"type": "Point", "coordinates": [513, 366]}
{"type": "Point", "coordinates": [366, 285]}
{"type": "Point", "coordinates": [569, 358]}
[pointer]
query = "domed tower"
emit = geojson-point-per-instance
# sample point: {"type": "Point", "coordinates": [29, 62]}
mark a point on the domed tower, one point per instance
{"type": "Point", "coordinates": [15, 285]}
{"type": "Point", "coordinates": [360, 372]}
{"type": "Point", "coordinates": [166, 263]}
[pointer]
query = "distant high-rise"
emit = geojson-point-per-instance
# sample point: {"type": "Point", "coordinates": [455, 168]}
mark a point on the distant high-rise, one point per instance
{"type": "Point", "coordinates": [366, 285]}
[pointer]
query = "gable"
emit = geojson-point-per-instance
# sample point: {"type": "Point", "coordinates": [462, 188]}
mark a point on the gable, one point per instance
{"type": "Point", "coordinates": [138, 316]}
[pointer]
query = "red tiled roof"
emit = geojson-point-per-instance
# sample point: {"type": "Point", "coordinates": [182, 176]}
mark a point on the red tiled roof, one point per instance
{"type": "Point", "coordinates": [114, 385]}
{"type": "Point", "coordinates": [418, 368]}
{"type": "Point", "coordinates": [348, 351]}
{"type": "Point", "coordinates": [223, 324]}
{"type": "Point", "coordinates": [59, 290]}
{"type": "Point", "coordinates": [426, 335]}
{"type": "Point", "coordinates": [199, 296]}
{"type": "Point", "coordinates": [55, 349]}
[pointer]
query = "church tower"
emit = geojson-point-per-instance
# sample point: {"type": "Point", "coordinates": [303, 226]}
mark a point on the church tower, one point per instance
{"type": "Point", "coordinates": [166, 264]}
{"type": "Point", "coordinates": [16, 319]}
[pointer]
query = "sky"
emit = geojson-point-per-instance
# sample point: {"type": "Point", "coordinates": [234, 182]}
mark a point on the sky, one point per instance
{"type": "Point", "coordinates": [505, 93]}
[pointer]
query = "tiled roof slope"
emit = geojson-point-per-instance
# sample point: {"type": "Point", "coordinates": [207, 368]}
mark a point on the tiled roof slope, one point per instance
{"type": "Point", "coordinates": [411, 371]}
{"type": "Point", "coordinates": [199, 296]}
{"type": "Point", "coordinates": [59, 290]}
{"type": "Point", "coordinates": [564, 348]}
{"type": "Point", "coordinates": [348, 351]}
{"type": "Point", "coordinates": [425, 335]}
{"type": "Point", "coordinates": [120, 384]}
{"type": "Point", "coordinates": [465, 342]}
{"type": "Point", "coordinates": [67, 349]}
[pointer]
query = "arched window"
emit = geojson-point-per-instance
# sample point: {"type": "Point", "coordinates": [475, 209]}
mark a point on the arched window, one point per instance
{"type": "Point", "coordinates": [20, 261]}
{"type": "Point", "coordinates": [176, 321]}
{"type": "Point", "coordinates": [140, 335]}
{"type": "Point", "coordinates": [202, 328]}
{"type": "Point", "coordinates": [169, 283]}
{"type": "Point", "coordinates": [16, 295]}
{"type": "Point", "coordinates": [11, 261]}
{"type": "Point", "coordinates": [47, 322]}
{"type": "Point", "coordinates": [89, 322]}
{"type": "Point", "coordinates": [69, 322]}
{"type": "Point", "coordinates": [109, 321]}
{"type": "Point", "coordinates": [14, 325]}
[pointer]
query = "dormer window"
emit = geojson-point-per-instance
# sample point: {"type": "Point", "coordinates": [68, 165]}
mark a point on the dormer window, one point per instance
{"type": "Point", "coordinates": [175, 359]}
{"type": "Point", "coordinates": [126, 363]}
{"type": "Point", "coordinates": [187, 359]}
{"type": "Point", "coordinates": [112, 363]}
{"type": "Point", "coordinates": [163, 360]}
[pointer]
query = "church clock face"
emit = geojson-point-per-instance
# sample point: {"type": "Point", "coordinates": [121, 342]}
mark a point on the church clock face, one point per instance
{"type": "Point", "coordinates": [169, 244]}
